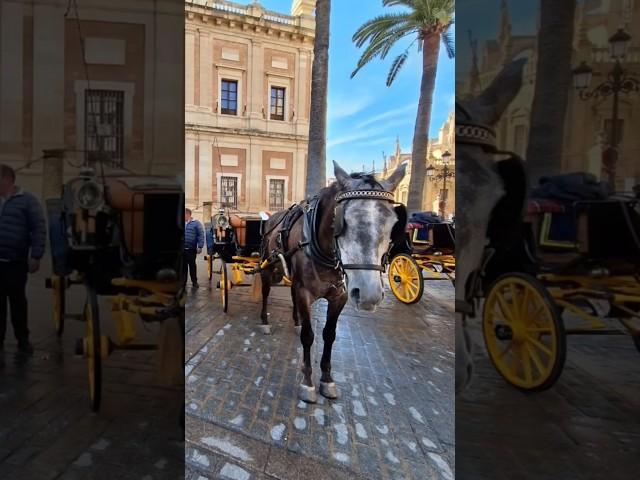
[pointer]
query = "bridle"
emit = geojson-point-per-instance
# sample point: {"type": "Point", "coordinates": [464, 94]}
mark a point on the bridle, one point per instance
{"type": "Point", "coordinates": [338, 225]}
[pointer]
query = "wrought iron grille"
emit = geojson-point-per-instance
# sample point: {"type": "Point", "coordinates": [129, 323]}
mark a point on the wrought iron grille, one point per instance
{"type": "Point", "coordinates": [229, 192]}
{"type": "Point", "coordinates": [104, 125]}
{"type": "Point", "coordinates": [276, 194]}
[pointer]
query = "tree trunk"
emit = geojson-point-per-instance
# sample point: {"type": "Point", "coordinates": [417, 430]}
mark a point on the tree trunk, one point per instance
{"type": "Point", "coordinates": [317, 152]}
{"type": "Point", "coordinates": [552, 88]}
{"type": "Point", "coordinates": [430, 50]}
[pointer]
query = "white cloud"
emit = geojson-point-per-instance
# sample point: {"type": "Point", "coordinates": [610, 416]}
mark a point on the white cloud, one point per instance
{"type": "Point", "coordinates": [341, 106]}
{"type": "Point", "coordinates": [396, 112]}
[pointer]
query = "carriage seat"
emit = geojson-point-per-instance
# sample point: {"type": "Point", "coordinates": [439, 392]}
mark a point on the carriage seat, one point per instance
{"type": "Point", "coordinates": [542, 205]}
{"type": "Point", "coordinates": [127, 195]}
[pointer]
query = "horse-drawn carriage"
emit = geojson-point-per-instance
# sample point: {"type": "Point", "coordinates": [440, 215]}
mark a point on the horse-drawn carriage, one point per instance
{"type": "Point", "coordinates": [563, 261]}
{"type": "Point", "coordinates": [428, 251]}
{"type": "Point", "coordinates": [120, 237]}
{"type": "Point", "coordinates": [234, 240]}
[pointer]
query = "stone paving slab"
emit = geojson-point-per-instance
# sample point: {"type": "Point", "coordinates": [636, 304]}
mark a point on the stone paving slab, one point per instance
{"type": "Point", "coordinates": [394, 417]}
{"type": "Point", "coordinates": [587, 426]}
{"type": "Point", "coordinates": [47, 430]}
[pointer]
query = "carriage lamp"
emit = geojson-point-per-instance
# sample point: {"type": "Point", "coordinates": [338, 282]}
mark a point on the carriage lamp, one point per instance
{"type": "Point", "coordinates": [89, 195]}
{"type": "Point", "coordinates": [618, 81]}
{"type": "Point", "coordinates": [222, 221]}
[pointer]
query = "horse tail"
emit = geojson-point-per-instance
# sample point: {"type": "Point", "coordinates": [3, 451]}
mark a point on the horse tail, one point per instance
{"type": "Point", "coordinates": [256, 290]}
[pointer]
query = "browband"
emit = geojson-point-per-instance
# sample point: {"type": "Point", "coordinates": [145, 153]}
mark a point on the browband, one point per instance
{"type": "Point", "coordinates": [365, 194]}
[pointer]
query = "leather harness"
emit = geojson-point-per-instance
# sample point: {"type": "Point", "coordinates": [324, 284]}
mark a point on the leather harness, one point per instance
{"type": "Point", "coordinates": [310, 229]}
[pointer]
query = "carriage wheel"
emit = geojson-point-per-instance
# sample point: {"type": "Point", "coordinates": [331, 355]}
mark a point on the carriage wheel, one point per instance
{"type": "Point", "coordinates": [210, 266]}
{"type": "Point", "coordinates": [523, 332]}
{"type": "Point", "coordinates": [405, 279]}
{"type": "Point", "coordinates": [58, 288]}
{"type": "Point", "coordinates": [224, 285]}
{"type": "Point", "coordinates": [93, 348]}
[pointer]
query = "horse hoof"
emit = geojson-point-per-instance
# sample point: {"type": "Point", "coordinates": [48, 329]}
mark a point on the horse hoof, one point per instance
{"type": "Point", "coordinates": [329, 390]}
{"type": "Point", "coordinates": [266, 329]}
{"type": "Point", "coordinates": [307, 394]}
{"type": "Point", "coordinates": [298, 329]}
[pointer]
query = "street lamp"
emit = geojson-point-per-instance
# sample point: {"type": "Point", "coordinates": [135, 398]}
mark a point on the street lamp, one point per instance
{"type": "Point", "coordinates": [444, 173]}
{"type": "Point", "coordinates": [618, 81]}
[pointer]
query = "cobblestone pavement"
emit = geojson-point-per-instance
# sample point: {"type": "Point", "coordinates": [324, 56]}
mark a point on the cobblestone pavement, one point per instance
{"type": "Point", "coordinates": [47, 430]}
{"type": "Point", "coordinates": [585, 427]}
{"type": "Point", "coordinates": [394, 416]}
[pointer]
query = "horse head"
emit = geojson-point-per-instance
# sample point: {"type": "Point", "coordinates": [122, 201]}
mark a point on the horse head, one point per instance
{"type": "Point", "coordinates": [478, 189]}
{"type": "Point", "coordinates": [364, 233]}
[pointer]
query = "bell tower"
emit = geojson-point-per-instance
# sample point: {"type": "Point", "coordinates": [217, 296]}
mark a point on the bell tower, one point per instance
{"type": "Point", "coordinates": [303, 7]}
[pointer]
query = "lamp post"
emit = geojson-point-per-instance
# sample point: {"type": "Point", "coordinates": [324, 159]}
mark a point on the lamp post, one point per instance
{"type": "Point", "coordinates": [444, 173]}
{"type": "Point", "coordinates": [618, 81]}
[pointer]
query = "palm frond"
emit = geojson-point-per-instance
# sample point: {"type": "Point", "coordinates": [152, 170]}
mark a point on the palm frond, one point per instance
{"type": "Point", "coordinates": [396, 66]}
{"type": "Point", "coordinates": [449, 43]}
{"type": "Point", "coordinates": [373, 27]}
{"type": "Point", "coordinates": [405, 3]}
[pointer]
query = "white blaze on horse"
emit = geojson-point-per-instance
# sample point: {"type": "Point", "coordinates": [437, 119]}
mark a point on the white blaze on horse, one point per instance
{"type": "Point", "coordinates": [479, 187]}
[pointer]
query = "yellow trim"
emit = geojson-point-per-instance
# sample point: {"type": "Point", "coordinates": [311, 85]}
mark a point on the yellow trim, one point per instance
{"type": "Point", "coordinates": [544, 234]}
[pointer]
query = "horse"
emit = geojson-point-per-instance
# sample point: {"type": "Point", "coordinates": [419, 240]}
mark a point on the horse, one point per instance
{"type": "Point", "coordinates": [479, 188]}
{"type": "Point", "coordinates": [332, 246]}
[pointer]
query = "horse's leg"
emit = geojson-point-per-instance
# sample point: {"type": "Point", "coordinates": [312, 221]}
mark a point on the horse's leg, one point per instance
{"type": "Point", "coordinates": [327, 386]}
{"type": "Point", "coordinates": [306, 390]}
{"type": "Point", "coordinates": [266, 288]}
{"type": "Point", "coordinates": [296, 320]}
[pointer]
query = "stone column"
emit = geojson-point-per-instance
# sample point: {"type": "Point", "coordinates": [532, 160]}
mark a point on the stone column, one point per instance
{"type": "Point", "coordinates": [48, 76]}
{"type": "Point", "coordinates": [206, 177]}
{"type": "Point", "coordinates": [52, 173]}
{"type": "Point", "coordinates": [206, 71]}
{"type": "Point", "coordinates": [189, 171]}
{"type": "Point", "coordinates": [11, 42]}
{"type": "Point", "coordinates": [256, 81]}
{"type": "Point", "coordinates": [189, 66]}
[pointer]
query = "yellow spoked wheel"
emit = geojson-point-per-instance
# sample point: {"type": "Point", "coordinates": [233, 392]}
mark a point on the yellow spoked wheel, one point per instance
{"type": "Point", "coordinates": [92, 348]}
{"type": "Point", "coordinates": [405, 279]}
{"type": "Point", "coordinates": [209, 259]}
{"type": "Point", "coordinates": [523, 332]}
{"type": "Point", "coordinates": [224, 285]}
{"type": "Point", "coordinates": [58, 289]}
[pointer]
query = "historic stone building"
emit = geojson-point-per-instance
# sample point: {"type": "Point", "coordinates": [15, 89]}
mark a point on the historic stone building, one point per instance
{"type": "Point", "coordinates": [587, 122]}
{"type": "Point", "coordinates": [248, 90]}
{"type": "Point", "coordinates": [433, 190]}
{"type": "Point", "coordinates": [120, 93]}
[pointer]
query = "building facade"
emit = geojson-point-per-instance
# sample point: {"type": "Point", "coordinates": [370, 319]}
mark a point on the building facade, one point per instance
{"type": "Point", "coordinates": [99, 79]}
{"type": "Point", "coordinates": [587, 122]}
{"type": "Point", "coordinates": [434, 191]}
{"type": "Point", "coordinates": [248, 90]}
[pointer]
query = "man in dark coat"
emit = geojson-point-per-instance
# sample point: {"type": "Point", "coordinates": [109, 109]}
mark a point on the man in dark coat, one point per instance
{"type": "Point", "coordinates": [22, 243]}
{"type": "Point", "coordinates": [193, 243]}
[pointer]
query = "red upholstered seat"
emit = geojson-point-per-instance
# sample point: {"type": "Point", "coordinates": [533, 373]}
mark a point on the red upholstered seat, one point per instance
{"type": "Point", "coordinates": [545, 206]}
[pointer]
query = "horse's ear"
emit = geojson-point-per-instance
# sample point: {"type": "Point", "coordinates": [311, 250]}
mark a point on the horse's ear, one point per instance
{"type": "Point", "coordinates": [342, 177]}
{"type": "Point", "coordinates": [391, 183]}
{"type": "Point", "coordinates": [489, 106]}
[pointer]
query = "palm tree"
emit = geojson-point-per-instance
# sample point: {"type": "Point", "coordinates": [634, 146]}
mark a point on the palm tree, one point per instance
{"type": "Point", "coordinates": [552, 88]}
{"type": "Point", "coordinates": [429, 22]}
{"type": "Point", "coordinates": [317, 150]}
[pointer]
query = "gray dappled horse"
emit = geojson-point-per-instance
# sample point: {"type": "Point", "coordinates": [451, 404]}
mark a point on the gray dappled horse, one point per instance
{"type": "Point", "coordinates": [334, 246]}
{"type": "Point", "coordinates": [478, 189]}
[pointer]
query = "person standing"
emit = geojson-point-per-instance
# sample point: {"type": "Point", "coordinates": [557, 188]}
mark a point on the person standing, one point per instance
{"type": "Point", "coordinates": [193, 243]}
{"type": "Point", "coordinates": [22, 243]}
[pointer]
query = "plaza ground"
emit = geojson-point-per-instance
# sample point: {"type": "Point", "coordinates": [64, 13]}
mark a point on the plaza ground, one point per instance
{"type": "Point", "coordinates": [394, 417]}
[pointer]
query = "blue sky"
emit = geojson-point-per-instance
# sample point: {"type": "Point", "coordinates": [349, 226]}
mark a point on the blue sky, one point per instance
{"type": "Point", "coordinates": [523, 14]}
{"type": "Point", "coordinates": [366, 116]}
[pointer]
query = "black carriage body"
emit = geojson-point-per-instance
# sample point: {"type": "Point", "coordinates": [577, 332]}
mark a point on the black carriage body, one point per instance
{"type": "Point", "coordinates": [136, 232]}
{"type": "Point", "coordinates": [240, 235]}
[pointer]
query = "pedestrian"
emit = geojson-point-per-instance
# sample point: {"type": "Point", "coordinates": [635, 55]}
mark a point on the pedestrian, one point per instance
{"type": "Point", "coordinates": [193, 243]}
{"type": "Point", "coordinates": [22, 240]}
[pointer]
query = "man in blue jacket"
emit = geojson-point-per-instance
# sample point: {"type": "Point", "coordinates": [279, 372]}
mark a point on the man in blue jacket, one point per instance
{"type": "Point", "coordinates": [193, 243]}
{"type": "Point", "coordinates": [22, 239]}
